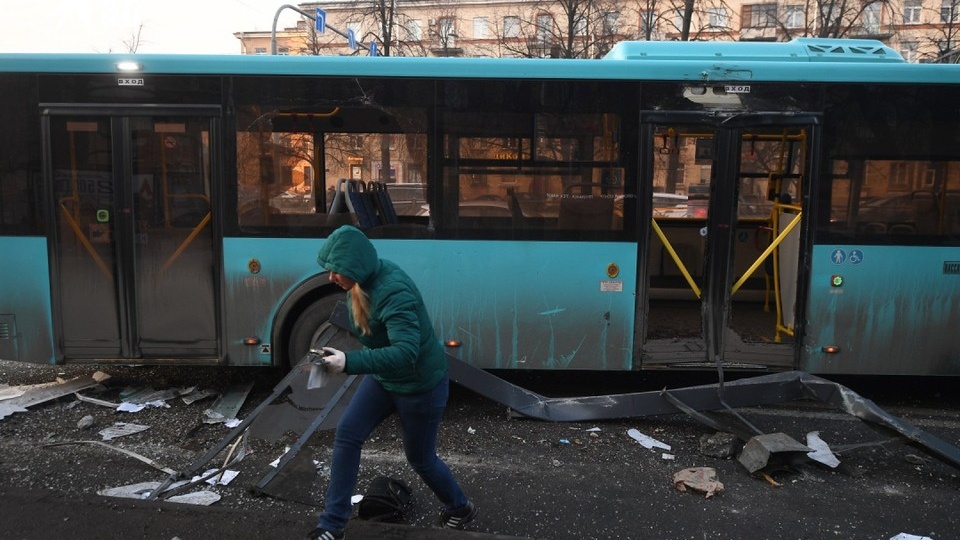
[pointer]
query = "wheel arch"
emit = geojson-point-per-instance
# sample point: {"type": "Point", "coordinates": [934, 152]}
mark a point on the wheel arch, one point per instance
{"type": "Point", "coordinates": [303, 295]}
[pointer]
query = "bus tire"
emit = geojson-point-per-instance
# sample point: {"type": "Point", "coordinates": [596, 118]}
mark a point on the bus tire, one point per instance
{"type": "Point", "coordinates": [305, 330]}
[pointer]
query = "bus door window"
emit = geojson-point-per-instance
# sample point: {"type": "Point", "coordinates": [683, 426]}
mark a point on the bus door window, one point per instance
{"type": "Point", "coordinates": [766, 240]}
{"type": "Point", "coordinates": [682, 165]}
{"type": "Point", "coordinates": [684, 199]}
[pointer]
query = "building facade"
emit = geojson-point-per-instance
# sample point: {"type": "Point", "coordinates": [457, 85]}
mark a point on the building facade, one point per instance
{"type": "Point", "coordinates": [921, 30]}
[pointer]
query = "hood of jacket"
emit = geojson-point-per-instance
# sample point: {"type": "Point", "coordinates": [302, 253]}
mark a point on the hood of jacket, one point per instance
{"type": "Point", "coordinates": [349, 252]}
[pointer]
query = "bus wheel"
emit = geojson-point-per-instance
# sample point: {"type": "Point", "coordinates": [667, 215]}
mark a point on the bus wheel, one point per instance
{"type": "Point", "coordinates": [305, 329]}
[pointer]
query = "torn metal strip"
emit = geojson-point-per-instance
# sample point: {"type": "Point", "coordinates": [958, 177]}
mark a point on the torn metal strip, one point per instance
{"type": "Point", "coordinates": [326, 332]}
{"type": "Point", "coordinates": [40, 393]}
{"type": "Point", "coordinates": [749, 392]}
{"type": "Point", "coordinates": [765, 389]}
{"type": "Point", "coordinates": [124, 451]}
{"type": "Point", "coordinates": [294, 449]}
{"type": "Point", "coordinates": [868, 411]}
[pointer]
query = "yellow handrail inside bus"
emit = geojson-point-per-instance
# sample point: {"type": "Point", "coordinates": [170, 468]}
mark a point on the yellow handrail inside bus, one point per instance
{"type": "Point", "coordinates": [766, 253]}
{"type": "Point", "coordinates": [82, 237]}
{"type": "Point", "coordinates": [676, 258]}
{"type": "Point", "coordinates": [186, 242]}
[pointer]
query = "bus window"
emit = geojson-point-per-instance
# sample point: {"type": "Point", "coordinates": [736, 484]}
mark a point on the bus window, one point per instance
{"type": "Point", "coordinates": [290, 164]}
{"type": "Point", "coordinates": [534, 171]}
{"type": "Point", "coordinates": [20, 158]}
{"type": "Point", "coordinates": [896, 198]}
{"type": "Point", "coordinates": [274, 174]}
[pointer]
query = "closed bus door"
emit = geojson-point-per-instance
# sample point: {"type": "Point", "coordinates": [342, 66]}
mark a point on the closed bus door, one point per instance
{"type": "Point", "coordinates": [724, 249]}
{"type": "Point", "coordinates": [132, 248]}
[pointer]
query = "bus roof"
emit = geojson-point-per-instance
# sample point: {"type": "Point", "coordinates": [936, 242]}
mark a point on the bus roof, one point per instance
{"type": "Point", "coordinates": [800, 60]}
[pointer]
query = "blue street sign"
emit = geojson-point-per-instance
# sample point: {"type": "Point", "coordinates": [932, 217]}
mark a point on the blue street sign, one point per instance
{"type": "Point", "coordinates": [373, 48]}
{"type": "Point", "coordinates": [351, 39]}
{"type": "Point", "coordinates": [321, 20]}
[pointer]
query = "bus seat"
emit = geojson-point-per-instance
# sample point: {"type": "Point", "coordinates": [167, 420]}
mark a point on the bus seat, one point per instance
{"type": "Point", "coordinates": [386, 214]}
{"type": "Point", "coordinates": [924, 208]}
{"type": "Point", "coordinates": [585, 211]}
{"type": "Point", "coordinates": [360, 203]}
{"type": "Point", "coordinates": [586, 214]}
{"type": "Point", "coordinates": [951, 211]}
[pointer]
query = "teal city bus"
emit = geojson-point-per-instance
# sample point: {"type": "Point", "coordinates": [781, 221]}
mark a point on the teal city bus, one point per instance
{"type": "Point", "coordinates": [758, 206]}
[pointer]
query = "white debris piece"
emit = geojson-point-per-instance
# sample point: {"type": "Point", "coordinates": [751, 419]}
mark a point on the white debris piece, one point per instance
{"type": "Point", "coordinates": [222, 479]}
{"type": "Point", "coordinates": [821, 450]}
{"type": "Point", "coordinates": [647, 442]}
{"type": "Point", "coordinates": [905, 536]}
{"type": "Point", "coordinates": [142, 490]}
{"type": "Point", "coordinates": [202, 498]}
{"type": "Point", "coordinates": [40, 393]}
{"type": "Point", "coordinates": [121, 429]}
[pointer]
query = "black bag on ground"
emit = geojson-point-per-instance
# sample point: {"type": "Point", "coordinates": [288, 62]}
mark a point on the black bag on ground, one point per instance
{"type": "Point", "coordinates": [385, 500]}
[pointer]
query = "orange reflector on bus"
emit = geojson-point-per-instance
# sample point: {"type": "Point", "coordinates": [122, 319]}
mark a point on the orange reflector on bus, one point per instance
{"type": "Point", "coordinates": [830, 349]}
{"type": "Point", "coordinates": [251, 341]}
{"type": "Point", "coordinates": [452, 343]}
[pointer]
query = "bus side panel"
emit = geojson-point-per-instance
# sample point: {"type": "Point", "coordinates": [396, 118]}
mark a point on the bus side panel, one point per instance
{"type": "Point", "coordinates": [520, 305]}
{"type": "Point", "coordinates": [25, 310]}
{"type": "Point", "coordinates": [258, 274]}
{"type": "Point", "coordinates": [897, 311]}
{"type": "Point", "coordinates": [527, 305]}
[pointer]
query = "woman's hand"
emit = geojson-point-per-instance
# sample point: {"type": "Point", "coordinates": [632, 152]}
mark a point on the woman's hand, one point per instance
{"type": "Point", "coordinates": [335, 360]}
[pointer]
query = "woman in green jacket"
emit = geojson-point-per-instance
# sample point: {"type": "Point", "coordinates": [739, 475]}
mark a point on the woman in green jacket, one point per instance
{"type": "Point", "coordinates": [408, 372]}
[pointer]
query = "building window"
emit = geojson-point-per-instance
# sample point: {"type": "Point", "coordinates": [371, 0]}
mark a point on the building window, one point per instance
{"type": "Point", "coordinates": [911, 11]}
{"type": "Point", "coordinates": [759, 16]}
{"type": "Point", "coordinates": [544, 28]}
{"type": "Point", "coordinates": [580, 26]}
{"type": "Point", "coordinates": [260, 51]}
{"type": "Point", "coordinates": [948, 11]}
{"type": "Point", "coordinates": [611, 23]}
{"type": "Point", "coordinates": [355, 27]}
{"type": "Point", "coordinates": [283, 51]}
{"type": "Point", "coordinates": [648, 20]}
{"type": "Point", "coordinates": [793, 17]}
{"type": "Point", "coordinates": [718, 17]}
{"type": "Point", "coordinates": [447, 32]}
{"type": "Point", "coordinates": [908, 50]}
{"type": "Point", "coordinates": [678, 18]}
{"type": "Point", "coordinates": [414, 30]}
{"type": "Point", "coordinates": [511, 26]}
{"type": "Point", "coordinates": [480, 25]}
{"type": "Point", "coordinates": [871, 18]}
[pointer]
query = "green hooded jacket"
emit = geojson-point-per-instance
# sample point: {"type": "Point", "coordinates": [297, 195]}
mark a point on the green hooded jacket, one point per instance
{"type": "Point", "coordinates": [402, 351]}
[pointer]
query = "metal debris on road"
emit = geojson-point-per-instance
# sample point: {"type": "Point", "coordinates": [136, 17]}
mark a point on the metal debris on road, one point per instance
{"type": "Point", "coordinates": [40, 393]}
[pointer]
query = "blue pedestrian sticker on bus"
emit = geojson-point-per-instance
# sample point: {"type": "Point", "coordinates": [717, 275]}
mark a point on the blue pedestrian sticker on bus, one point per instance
{"type": "Point", "coordinates": [838, 256]}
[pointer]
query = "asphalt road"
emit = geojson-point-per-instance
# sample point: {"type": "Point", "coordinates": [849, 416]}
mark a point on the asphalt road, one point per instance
{"type": "Point", "coordinates": [530, 479]}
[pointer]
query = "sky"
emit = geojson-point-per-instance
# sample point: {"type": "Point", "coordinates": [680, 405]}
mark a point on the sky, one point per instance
{"type": "Point", "coordinates": [165, 26]}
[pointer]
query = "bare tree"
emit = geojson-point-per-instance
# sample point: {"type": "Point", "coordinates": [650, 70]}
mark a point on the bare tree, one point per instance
{"type": "Point", "coordinates": [562, 29]}
{"type": "Point", "coordinates": [945, 41]}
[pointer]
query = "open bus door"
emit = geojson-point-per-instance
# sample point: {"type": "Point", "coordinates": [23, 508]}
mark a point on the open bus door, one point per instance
{"type": "Point", "coordinates": [132, 251]}
{"type": "Point", "coordinates": [724, 249]}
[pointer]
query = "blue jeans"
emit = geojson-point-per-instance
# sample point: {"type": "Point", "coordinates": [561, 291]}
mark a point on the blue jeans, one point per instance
{"type": "Point", "coordinates": [420, 416]}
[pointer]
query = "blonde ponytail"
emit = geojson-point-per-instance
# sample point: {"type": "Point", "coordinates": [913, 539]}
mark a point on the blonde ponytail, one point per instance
{"type": "Point", "coordinates": [360, 308]}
